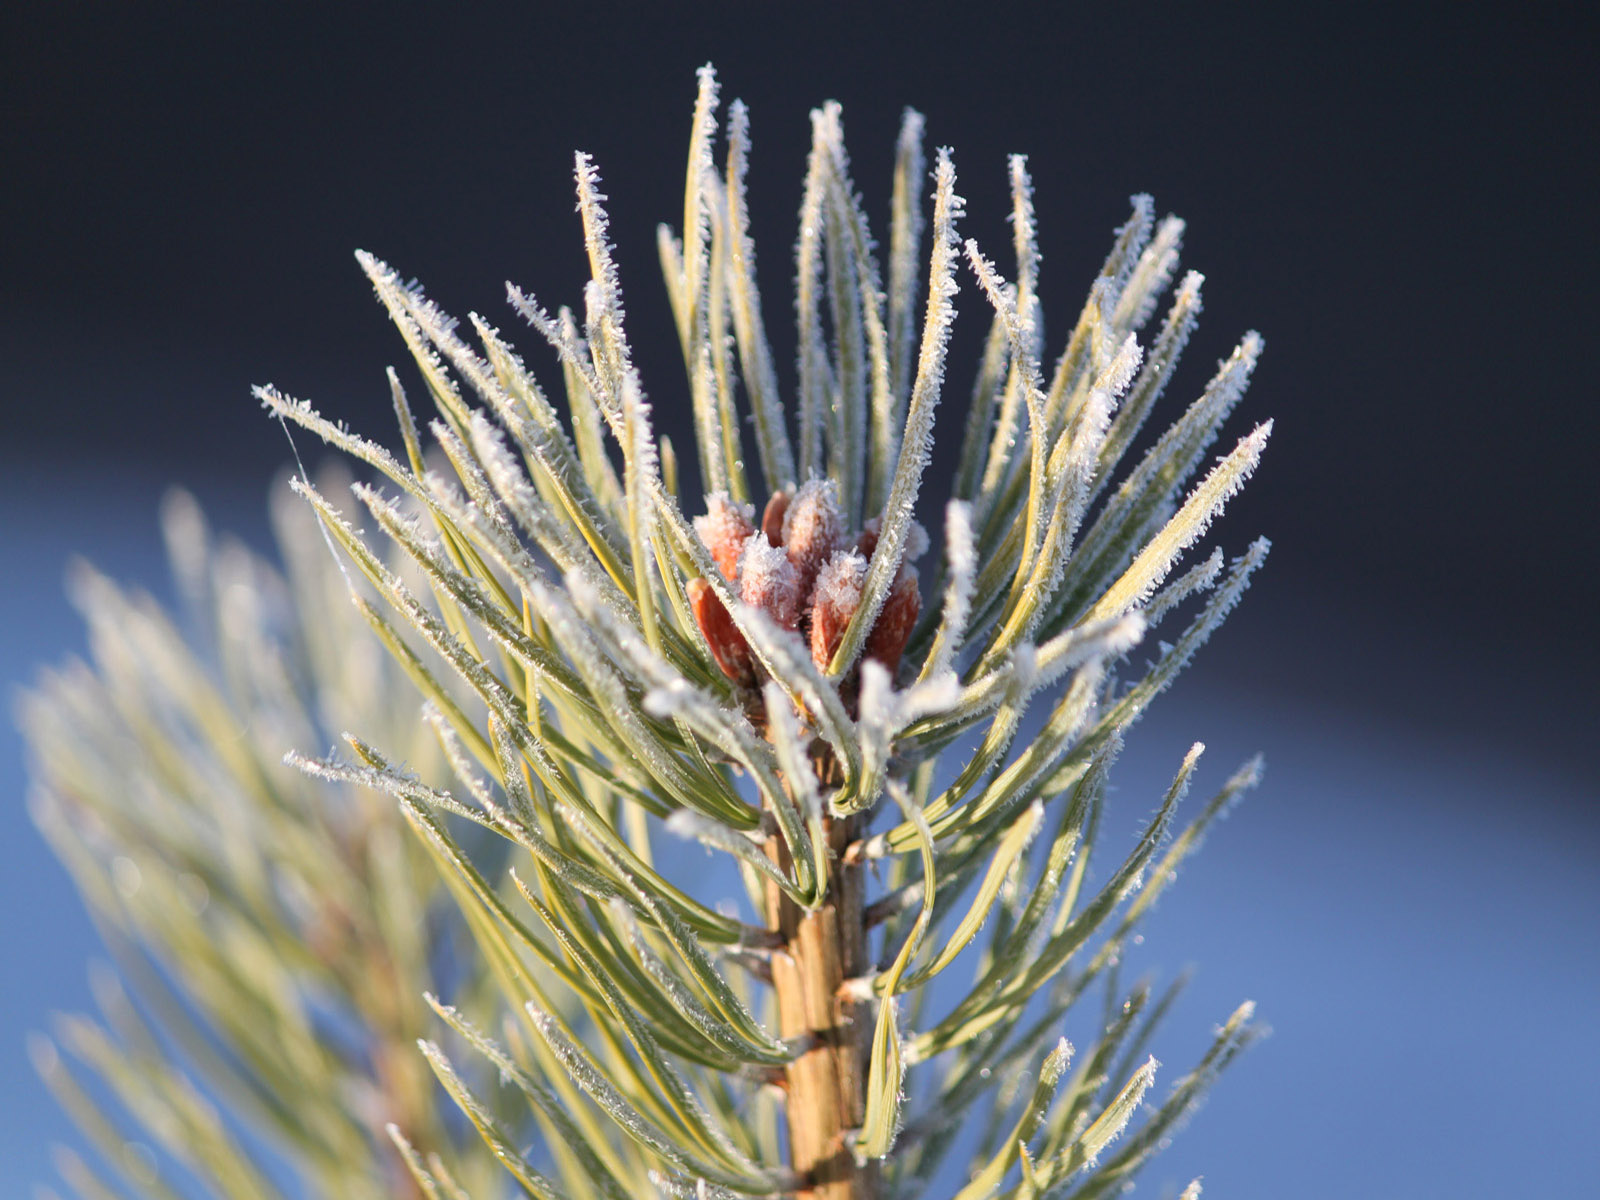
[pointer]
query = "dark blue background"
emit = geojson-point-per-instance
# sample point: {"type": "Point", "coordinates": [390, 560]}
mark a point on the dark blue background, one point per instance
{"type": "Point", "coordinates": [1402, 203]}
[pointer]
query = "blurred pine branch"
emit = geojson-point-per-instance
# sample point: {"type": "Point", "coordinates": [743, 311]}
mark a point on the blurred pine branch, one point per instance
{"type": "Point", "coordinates": [598, 660]}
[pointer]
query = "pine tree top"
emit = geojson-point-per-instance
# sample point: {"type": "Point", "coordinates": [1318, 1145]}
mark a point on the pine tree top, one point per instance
{"type": "Point", "coordinates": [555, 653]}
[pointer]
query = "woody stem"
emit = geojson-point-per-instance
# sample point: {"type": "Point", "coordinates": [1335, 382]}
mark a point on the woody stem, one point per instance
{"type": "Point", "coordinates": [826, 1086]}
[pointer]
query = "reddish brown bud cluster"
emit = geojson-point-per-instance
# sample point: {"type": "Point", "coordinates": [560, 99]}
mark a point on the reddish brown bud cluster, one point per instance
{"type": "Point", "coordinates": [804, 571]}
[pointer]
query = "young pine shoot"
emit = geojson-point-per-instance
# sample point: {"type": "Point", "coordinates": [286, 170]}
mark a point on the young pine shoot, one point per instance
{"type": "Point", "coordinates": [462, 955]}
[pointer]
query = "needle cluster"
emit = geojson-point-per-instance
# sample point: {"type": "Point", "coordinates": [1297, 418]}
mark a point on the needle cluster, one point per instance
{"type": "Point", "coordinates": [469, 913]}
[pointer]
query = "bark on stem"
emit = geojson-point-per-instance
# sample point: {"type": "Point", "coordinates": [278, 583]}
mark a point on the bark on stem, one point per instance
{"type": "Point", "coordinates": [826, 1086]}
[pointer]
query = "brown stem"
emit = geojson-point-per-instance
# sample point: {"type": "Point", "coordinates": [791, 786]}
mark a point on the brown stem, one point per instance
{"type": "Point", "coordinates": [826, 1085]}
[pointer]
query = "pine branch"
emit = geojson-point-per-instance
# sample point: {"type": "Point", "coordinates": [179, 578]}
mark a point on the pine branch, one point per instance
{"type": "Point", "coordinates": [455, 956]}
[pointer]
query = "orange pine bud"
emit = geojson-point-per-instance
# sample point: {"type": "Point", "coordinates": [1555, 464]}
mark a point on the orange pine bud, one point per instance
{"type": "Point", "coordinates": [768, 580]}
{"type": "Point", "coordinates": [727, 644]}
{"type": "Point", "coordinates": [867, 539]}
{"type": "Point", "coordinates": [812, 529]}
{"type": "Point", "coordinates": [772, 518]}
{"type": "Point", "coordinates": [892, 630]}
{"type": "Point", "coordinates": [835, 599]}
{"type": "Point", "coordinates": [916, 543]}
{"type": "Point", "coordinates": [724, 529]}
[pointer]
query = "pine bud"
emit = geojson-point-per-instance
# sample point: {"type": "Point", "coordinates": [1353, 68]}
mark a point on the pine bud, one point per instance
{"type": "Point", "coordinates": [768, 580]}
{"type": "Point", "coordinates": [772, 517]}
{"type": "Point", "coordinates": [727, 644]}
{"type": "Point", "coordinates": [724, 529]}
{"type": "Point", "coordinates": [867, 539]}
{"type": "Point", "coordinates": [812, 529]}
{"type": "Point", "coordinates": [916, 543]}
{"type": "Point", "coordinates": [892, 630]}
{"type": "Point", "coordinates": [835, 599]}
